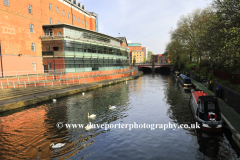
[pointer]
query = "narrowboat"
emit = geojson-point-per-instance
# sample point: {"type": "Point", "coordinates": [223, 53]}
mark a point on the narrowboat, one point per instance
{"type": "Point", "coordinates": [184, 80]}
{"type": "Point", "coordinates": [206, 112]}
{"type": "Point", "coordinates": [177, 74]}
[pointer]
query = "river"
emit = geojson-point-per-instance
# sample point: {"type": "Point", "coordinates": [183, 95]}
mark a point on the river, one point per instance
{"type": "Point", "coordinates": [26, 133]}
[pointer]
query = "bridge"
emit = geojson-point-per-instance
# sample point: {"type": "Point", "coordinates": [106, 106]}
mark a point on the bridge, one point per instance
{"type": "Point", "coordinates": [157, 65]}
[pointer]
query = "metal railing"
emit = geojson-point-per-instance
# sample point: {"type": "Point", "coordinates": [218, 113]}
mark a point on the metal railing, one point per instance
{"type": "Point", "coordinates": [57, 80]}
{"type": "Point", "coordinates": [32, 73]}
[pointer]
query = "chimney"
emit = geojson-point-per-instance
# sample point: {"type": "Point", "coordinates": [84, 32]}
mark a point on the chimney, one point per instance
{"type": "Point", "coordinates": [84, 7]}
{"type": "Point", "coordinates": [80, 5]}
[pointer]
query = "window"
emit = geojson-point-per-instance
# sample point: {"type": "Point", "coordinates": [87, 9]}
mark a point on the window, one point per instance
{"type": "Point", "coordinates": [78, 20]}
{"type": "Point", "coordinates": [6, 2]}
{"type": "Point", "coordinates": [59, 33]}
{"type": "Point", "coordinates": [57, 9]}
{"type": "Point", "coordinates": [86, 23]}
{"type": "Point", "coordinates": [33, 46]}
{"type": "Point", "coordinates": [50, 6]}
{"type": "Point", "coordinates": [30, 9]}
{"type": "Point", "coordinates": [50, 20]}
{"type": "Point", "coordinates": [68, 15]}
{"type": "Point", "coordinates": [63, 12]}
{"type": "Point", "coordinates": [34, 66]}
{"type": "Point", "coordinates": [74, 18]}
{"type": "Point", "coordinates": [31, 28]}
{"type": "Point", "coordinates": [55, 48]}
{"type": "Point", "coordinates": [48, 47]}
{"type": "Point", "coordinates": [82, 21]}
{"type": "Point", "coordinates": [57, 22]}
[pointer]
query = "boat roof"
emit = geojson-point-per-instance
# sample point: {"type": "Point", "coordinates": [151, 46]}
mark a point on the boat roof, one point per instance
{"type": "Point", "coordinates": [197, 94]}
{"type": "Point", "coordinates": [208, 98]}
{"type": "Point", "coordinates": [184, 76]}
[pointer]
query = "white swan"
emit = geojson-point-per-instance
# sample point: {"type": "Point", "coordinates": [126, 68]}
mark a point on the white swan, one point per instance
{"type": "Point", "coordinates": [89, 126]}
{"type": "Point", "coordinates": [83, 93]}
{"type": "Point", "coordinates": [58, 145]}
{"type": "Point", "coordinates": [54, 100]}
{"type": "Point", "coordinates": [112, 107]}
{"type": "Point", "coordinates": [92, 116]}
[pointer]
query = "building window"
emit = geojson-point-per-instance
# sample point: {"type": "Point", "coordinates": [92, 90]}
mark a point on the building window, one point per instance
{"type": "Point", "coordinates": [30, 9]}
{"type": "Point", "coordinates": [34, 66]}
{"type": "Point", "coordinates": [63, 12]}
{"type": "Point", "coordinates": [33, 46]}
{"type": "Point", "coordinates": [82, 21]}
{"type": "Point", "coordinates": [6, 2]}
{"type": "Point", "coordinates": [57, 9]}
{"type": "Point", "coordinates": [74, 18]}
{"type": "Point", "coordinates": [86, 23]}
{"type": "Point", "coordinates": [59, 33]}
{"type": "Point", "coordinates": [78, 20]}
{"type": "Point", "coordinates": [48, 47]}
{"type": "Point", "coordinates": [50, 6]}
{"type": "Point", "coordinates": [57, 22]}
{"type": "Point", "coordinates": [31, 28]}
{"type": "Point", "coordinates": [68, 15]}
{"type": "Point", "coordinates": [50, 20]}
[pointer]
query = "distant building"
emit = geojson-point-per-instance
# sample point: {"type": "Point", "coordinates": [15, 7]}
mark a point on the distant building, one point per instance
{"type": "Point", "coordinates": [134, 47]}
{"type": "Point", "coordinates": [138, 55]}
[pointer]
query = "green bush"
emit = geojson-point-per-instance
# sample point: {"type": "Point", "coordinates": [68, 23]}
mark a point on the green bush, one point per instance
{"type": "Point", "coordinates": [211, 75]}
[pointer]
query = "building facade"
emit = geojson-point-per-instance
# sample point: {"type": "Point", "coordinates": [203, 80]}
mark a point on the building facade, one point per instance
{"type": "Point", "coordinates": [22, 26]}
{"type": "Point", "coordinates": [138, 56]}
{"type": "Point", "coordinates": [73, 49]}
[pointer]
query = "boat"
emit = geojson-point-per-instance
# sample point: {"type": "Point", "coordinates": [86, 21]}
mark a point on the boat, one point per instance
{"type": "Point", "coordinates": [206, 112]}
{"type": "Point", "coordinates": [177, 74]}
{"type": "Point", "coordinates": [185, 81]}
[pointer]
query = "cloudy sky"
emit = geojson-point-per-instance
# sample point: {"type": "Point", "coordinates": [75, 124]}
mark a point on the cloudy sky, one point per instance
{"type": "Point", "coordinates": [141, 21]}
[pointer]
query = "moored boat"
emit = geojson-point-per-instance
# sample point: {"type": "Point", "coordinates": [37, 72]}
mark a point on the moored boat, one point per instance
{"type": "Point", "coordinates": [184, 80]}
{"type": "Point", "coordinates": [177, 74]}
{"type": "Point", "coordinates": [206, 112]}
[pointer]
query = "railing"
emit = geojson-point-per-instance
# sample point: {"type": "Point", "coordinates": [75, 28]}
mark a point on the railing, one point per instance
{"type": "Point", "coordinates": [31, 73]}
{"type": "Point", "coordinates": [47, 35]}
{"type": "Point", "coordinates": [57, 79]}
{"type": "Point", "coordinates": [151, 64]}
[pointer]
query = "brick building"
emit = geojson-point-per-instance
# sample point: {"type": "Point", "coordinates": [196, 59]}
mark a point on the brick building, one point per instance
{"type": "Point", "coordinates": [25, 24]}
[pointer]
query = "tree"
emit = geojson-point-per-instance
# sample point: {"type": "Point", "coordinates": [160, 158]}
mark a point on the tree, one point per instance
{"type": "Point", "coordinates": [144, 60]}
{"type": "Point", "coordinates": [149, 57]}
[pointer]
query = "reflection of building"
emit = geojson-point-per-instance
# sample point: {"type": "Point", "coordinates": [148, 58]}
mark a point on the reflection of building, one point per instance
{"type": "Point", "coordinates": [138, 55]}
{"type": "Point", "coordinates": [75, 49]}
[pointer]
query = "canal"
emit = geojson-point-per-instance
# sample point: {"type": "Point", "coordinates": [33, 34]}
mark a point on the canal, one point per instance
{"type": "Point", "coordinates": [151, 101]}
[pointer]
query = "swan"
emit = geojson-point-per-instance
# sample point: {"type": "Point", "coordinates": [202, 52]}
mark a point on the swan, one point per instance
{"type": "Point", "coordinates": [58, 145]}
{"type": "Point", "coordinates": [112, 107]}
{"type": "Point", "coordinates": [88, 127]}
{"type": "Point", "coordinates": [83, 93]}
{"type": "Point", "coordinates": [54, 100]}
{"type": "Point", "coordinates": [92, 115]}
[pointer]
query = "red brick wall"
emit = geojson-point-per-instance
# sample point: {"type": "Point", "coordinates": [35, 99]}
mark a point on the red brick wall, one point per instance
{"type": "Point", "coordinates": [15, 23]}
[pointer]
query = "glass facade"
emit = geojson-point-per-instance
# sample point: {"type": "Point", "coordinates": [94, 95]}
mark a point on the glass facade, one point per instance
{"type": "Point", "coordinates": [73, 55]}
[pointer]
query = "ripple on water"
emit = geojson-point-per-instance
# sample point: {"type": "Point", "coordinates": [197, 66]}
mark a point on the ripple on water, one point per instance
{"type": "Point", "coordinates": [150, 99]}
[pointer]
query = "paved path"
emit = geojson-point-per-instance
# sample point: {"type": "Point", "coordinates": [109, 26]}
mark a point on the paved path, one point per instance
{"type": "Point", "coordinates": [229, 114]}
{"type": "Point", "coordinates": [39, 97]}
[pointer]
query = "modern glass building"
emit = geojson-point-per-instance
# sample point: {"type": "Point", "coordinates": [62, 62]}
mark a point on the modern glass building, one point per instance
{"type": "Point", "coordinates": [72, 49]}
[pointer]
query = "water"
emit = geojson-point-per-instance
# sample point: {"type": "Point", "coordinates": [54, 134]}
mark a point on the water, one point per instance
{"type": "Point", "coordinates": [151, 99]}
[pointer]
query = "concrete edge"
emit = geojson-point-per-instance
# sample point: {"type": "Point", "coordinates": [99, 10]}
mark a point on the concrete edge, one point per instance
{"type": "Point", "coordinates": [235, 134]}
{"type": "Point", "coordinates": [39, 99]}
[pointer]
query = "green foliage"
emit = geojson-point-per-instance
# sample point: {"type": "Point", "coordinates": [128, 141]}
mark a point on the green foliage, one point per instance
{"type": "Point", "coordinates": [203, 72]}
{"type": "Point", "coordinates": [211, 75]}
{"type": "Point", "coordinates": [144, 60]}
{"type": "Point", "coordinates": [149, 56]}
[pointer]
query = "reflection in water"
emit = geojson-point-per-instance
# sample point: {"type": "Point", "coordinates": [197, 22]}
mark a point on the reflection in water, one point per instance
{"type": "Point", "coordinates": [151, 99]}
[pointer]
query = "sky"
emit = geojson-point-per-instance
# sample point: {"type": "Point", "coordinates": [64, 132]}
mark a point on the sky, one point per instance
{"type": "Point", "coordinates": [141, 21]}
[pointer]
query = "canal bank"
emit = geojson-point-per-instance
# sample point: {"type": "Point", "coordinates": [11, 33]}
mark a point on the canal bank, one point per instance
{"type": "Point", "coordinates": [230, 116]}
{"type": "Point", "coordinates": [10, 104]}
